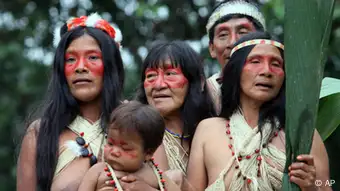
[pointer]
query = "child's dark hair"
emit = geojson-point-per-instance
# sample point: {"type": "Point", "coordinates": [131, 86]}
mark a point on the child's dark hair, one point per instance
{"type": "Point", "coordinates": [147, 121]}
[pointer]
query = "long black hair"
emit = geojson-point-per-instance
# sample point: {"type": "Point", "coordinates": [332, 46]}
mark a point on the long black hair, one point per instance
{"type": "Point", "coordinates": [61, 108]}
{"type": "Point", "coordinates": [270, 111]}
{"type": "Point", "coordinates": [197, 104]}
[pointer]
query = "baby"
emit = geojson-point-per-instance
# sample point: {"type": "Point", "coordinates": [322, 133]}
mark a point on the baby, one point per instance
{"type": "Point", "coordinates": [134, 133]}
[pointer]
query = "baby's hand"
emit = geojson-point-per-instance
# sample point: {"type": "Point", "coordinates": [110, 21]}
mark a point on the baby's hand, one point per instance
{"type": "Point", "coordinates": [106, 174]}
{"type": "Point", "coordinates": [131, 183]}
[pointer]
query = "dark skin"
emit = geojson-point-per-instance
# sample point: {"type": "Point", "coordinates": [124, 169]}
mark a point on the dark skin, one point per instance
{"type": "Point", "coordinates": [88, 94]}
{"type": "Point", "coordinates": [96, 178]}
{"type": "Point", "coordinates": [205, 165]}
{"type": "Point", "coordinates": [132, 183]}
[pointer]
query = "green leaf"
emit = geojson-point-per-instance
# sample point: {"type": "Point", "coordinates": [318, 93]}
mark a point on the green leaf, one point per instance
{"type": "Point", "coordinates": [328, 115]}
{"type": "Point", "coordinates": [307, 31]}
{"type": "Point", "coordinates": [329, 86]}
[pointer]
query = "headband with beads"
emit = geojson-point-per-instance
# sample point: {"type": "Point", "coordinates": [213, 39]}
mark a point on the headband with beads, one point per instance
{"type": "Point", "coordinates": [256, 41]}
{"type": "Point", "coordinates": [235, 7]}
{"type": "Point", "coordinates": [93, 20]}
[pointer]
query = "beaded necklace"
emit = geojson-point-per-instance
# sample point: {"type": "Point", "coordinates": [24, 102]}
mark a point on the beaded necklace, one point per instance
{"type": "Point", "coordinates": [257, 153]}
{"type": "Point", "coordinates": [185, 137]}
{"type": "Point", "coordinates": [115, 182]}
{"type": "Point", "coordinates": [84, 150]}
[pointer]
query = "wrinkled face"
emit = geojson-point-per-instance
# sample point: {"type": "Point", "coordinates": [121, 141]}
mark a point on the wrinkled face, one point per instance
{"type": "Point", "coordinates": [165, 88]}
{"type": "Point", "coordinates": [84, 68]}
{"type": "Point", "coordinates": [225, 36]}
{"type": "Point", "coordinates": [263, 74]}
{"type": "Point", "coordinates": [124, 150]}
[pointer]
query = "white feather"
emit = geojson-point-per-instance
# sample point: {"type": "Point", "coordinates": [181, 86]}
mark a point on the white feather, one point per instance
{"type": "Point", "coordinates": [74, 147]}
{"type": "Point", "coordinates": [56, 36]}
{"type": "Point", "coordinates": [119, 36]}
{"type": "Point", "coordinates": [92, 20]}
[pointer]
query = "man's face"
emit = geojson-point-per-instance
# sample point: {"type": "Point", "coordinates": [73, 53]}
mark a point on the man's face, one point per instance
{"type": "Point", "coordinates": [225, 35]}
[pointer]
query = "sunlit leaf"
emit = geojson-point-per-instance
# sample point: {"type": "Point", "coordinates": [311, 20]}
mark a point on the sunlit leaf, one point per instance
{"type": "Point", "coordinates": [328, 115]}
{"type": "Point", "coordinates": [329, 86]}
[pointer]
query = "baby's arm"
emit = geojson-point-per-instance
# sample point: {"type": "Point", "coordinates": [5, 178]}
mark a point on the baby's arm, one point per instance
{"type": "Point", "coordinates": [89, 182]}
{"type": "Point", "coordinates": [161, 158]}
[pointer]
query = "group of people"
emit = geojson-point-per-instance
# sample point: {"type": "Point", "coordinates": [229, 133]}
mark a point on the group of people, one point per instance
{"type": "Point", "coordinates": [182, 131]}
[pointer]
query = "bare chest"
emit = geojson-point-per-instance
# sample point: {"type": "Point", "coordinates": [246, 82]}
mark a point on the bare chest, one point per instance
{"type": "Point", "coordinates": [145, 174]}
{"type": "Point", "coordinates": [70, 178]}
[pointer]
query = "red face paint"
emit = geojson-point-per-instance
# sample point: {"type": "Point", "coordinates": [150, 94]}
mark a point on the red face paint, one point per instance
{"type": "Point", "coordinates": [226, 32]}
{"type": "Point", "coordinates": [261, 63]}
{"type": "Point", "coordinates": [234, 30]}
{"type": "Point", "coordinates": [91, 60]}
{"type": "Point", "coordinates": [246, 25]}
{"type": "Point", "coordinates": [120, 148]}
{"type": "Point", "coordinates": [170, 77]}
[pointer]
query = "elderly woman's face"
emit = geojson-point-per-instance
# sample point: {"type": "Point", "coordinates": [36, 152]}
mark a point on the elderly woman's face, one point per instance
{"type": "Point", "coordinates": [263, 74]}
{"type": "Point", "coordinates": [165, 88]}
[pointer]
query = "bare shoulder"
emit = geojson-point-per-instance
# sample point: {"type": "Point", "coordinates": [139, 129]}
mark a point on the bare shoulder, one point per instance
{"type": "Point", "coordinates": [209, 127]}
{"type": "Point", "coordinates": [98, 167]}
{"type": "Point", "coordinates": [30, 137]}
{"type": "Point", "coordinates": [27, 161]}
{"type": "Point", "coordinates": [210, 124]}
{"type": "Point", "coordinates": [33, 128]}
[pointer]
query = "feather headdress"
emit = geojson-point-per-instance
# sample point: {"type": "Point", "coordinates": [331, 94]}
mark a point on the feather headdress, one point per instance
{"type": "Point", "coordinates": [94, 20]}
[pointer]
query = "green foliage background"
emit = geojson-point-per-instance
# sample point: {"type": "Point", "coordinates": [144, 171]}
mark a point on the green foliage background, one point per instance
{"type": "Point", "coordinates": [26, 50]}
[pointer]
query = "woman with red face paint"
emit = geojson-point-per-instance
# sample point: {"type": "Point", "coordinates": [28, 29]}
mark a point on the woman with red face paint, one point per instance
{"type": "Point", "coordinates": [244, 148]}
{"type": "Point", "coordinates": [173, 82]}
{"type": "Point", "coordinates": [86, 83]}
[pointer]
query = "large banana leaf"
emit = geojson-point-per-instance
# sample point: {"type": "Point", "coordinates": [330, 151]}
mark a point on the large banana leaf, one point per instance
{"type": "Point", "coordinates": [307, 31]}
{"type": "Point", "coordinates": [328, 124]}
{"type": "Point", "coordinates": [329, 115]}
{"type": "Point", "coordinates": [329, 107]}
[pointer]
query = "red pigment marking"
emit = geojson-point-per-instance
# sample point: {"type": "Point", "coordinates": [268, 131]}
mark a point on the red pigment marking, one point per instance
{"type": "Point", "coordinates": [83, 59]}
{"type": "Point", "coordinates": [170, 77]}
{"type": "Point", "coordinates": [265, 62]}
{"type": "Point", "coordinates": [231, 33]}
{"type": "Point", "coordinates": [116, 150]}
{"type": "Point", "coordinates": [234, 29]}
{"type": "Point", "coordinates": [130, 154]}
{"type": "Point", "coordinates": [246, 25]}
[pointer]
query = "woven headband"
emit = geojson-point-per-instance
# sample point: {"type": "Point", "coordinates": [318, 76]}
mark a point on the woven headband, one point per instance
{"type": "Point", "coordinates": [256, 41]}
{"type": "Point", "coordinates": [235, 7]}
{"type": "Point", "coordinates": [95, 21]}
